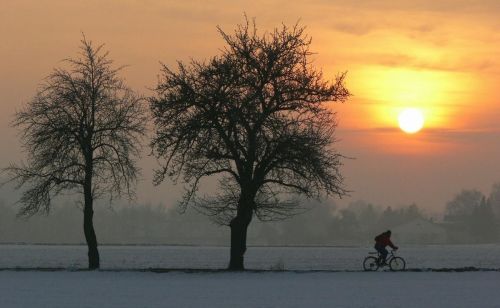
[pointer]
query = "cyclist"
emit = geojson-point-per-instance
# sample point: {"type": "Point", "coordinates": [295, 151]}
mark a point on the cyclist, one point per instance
{"type": "Point", "coordinates": [381, 241]}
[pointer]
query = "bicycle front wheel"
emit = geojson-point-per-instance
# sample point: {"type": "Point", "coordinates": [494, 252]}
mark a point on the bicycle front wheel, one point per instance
{"type": "Point", "coordinates": [370, 264]}
{"type": "Point", "coordinates": [397, 264]}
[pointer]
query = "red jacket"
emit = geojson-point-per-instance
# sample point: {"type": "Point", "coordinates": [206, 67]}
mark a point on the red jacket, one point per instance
{"type": "Point", "coordinates": [384, 240]}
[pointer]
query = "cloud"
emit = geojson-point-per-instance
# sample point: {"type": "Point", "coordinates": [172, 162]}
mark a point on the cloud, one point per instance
{"type": "Point", "coordinates": [464, 136]}
{"type": "Point", "coordinates": [438, 135]}
{"type": "Point", "coordinates": [355, 28]}
{"type": "Point", "coordinates": [460, 65]}
{"type": "Point", "coordinates": [466, 6]}
{"type": "Point", "coordinates": [457, 64]}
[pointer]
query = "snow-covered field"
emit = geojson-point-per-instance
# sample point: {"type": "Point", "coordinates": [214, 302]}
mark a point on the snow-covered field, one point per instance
{"type": "Point", "coordinates": [252, 289]}
{"type": "Point", "coordinates": [121, 283]}
{"type": "Point", "coordinates": [262, 258]}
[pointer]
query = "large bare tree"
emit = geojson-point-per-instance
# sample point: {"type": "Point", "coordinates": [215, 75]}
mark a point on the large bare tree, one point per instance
{"type": "Point", "coordinates": [81, 133]}
{"type": "Point", "coordinates": [253, 118]}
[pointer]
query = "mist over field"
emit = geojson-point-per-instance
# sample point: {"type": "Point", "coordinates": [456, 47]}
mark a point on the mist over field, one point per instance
{"type": "Point", "coordinates": [468, 218]}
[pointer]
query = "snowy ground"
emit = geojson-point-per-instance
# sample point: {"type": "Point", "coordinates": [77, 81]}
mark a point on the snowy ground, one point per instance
{"type": "Point", "coordinates": [122, 283]}
{"type": "Point", "coordinates": [262, 289]}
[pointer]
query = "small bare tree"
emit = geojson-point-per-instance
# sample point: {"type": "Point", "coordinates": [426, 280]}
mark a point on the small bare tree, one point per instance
{"type": "Point", "coordinates": [254, 118]}
{"type": "Point", "coordinates": [81, 132]}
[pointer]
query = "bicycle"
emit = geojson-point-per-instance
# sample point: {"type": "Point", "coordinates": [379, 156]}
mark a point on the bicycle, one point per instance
{"type": "Point", "coordinates": [395, 263]}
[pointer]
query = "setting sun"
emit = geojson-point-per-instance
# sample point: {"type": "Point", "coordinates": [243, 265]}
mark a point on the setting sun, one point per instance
{"type": "Point", "coordinates": [411, 120]}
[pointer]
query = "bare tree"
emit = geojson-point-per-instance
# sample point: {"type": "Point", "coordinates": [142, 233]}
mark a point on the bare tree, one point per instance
{"type": "Point", "coordinates": [494, 200]}
{"type": "Point", "coordinates": [252, 117]}
{"type": "Point", "coordinates": [81, 133]}
{"type": "Point", "coordinates": [463, 205]}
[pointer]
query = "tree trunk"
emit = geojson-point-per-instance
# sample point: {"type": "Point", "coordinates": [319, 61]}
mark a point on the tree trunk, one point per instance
{"type": "Point", "coordinates": [88, 229]}
{"type": "Point", "coordinates": [239, 226]}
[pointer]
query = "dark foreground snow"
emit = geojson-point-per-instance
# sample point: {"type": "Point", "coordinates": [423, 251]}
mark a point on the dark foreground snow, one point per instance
{"type": "Point", "coordinates": [253, 289]}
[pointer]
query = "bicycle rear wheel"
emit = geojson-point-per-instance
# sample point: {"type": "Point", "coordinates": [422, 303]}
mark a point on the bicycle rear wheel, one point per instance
{"type": "Point", "coordinates": [370, 264]}
{"type": "Point", "coordinates": [397, 264]}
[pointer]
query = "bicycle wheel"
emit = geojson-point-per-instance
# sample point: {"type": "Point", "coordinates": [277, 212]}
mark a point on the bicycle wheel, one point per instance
{"type": "Point", "coordinates": [370, 264]}
{"type": "Point", "coordinates": [397, 264]}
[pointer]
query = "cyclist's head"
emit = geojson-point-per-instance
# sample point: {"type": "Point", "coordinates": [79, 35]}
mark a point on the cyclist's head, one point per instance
{"type": "Point", "coordinates": [388, 232]}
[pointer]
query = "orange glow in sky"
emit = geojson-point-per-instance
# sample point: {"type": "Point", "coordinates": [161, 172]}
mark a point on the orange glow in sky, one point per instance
{"type": "Point", "coordinates": [440, 57]}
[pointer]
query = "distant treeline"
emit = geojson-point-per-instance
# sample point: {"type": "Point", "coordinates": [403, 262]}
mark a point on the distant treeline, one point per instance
{"type": "Point", "coordinates": [470, 217]}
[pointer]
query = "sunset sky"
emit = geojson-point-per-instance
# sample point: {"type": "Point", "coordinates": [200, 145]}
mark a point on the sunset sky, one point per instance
{"type": "Point", "coordinates": [440, 57]}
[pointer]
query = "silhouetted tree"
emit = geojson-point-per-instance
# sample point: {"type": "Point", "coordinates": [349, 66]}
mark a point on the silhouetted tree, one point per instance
{"type": "Point", "coordinates": [389, 218]}
{"type": "Point", "coordinates": [254, 118]}
{"type": "Point", "coordinates": [348, 223]}
{"type": "Point", "coordinates": [312, 228]}
{"type": "Point", "coordinates": [412, 212]}
{"type": "Point", "coordinates": [482, 223]}
{"type": "Point", "coordinates": [368, 218]}
{"type": "Point", "coordinates": [81, 132]}
{"type": "Point", "coordinates": [494, 200]}
{"type": "Point", "coordinates": [462, 205]}
{"type": "Point", "coordinates": [471, 213]}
